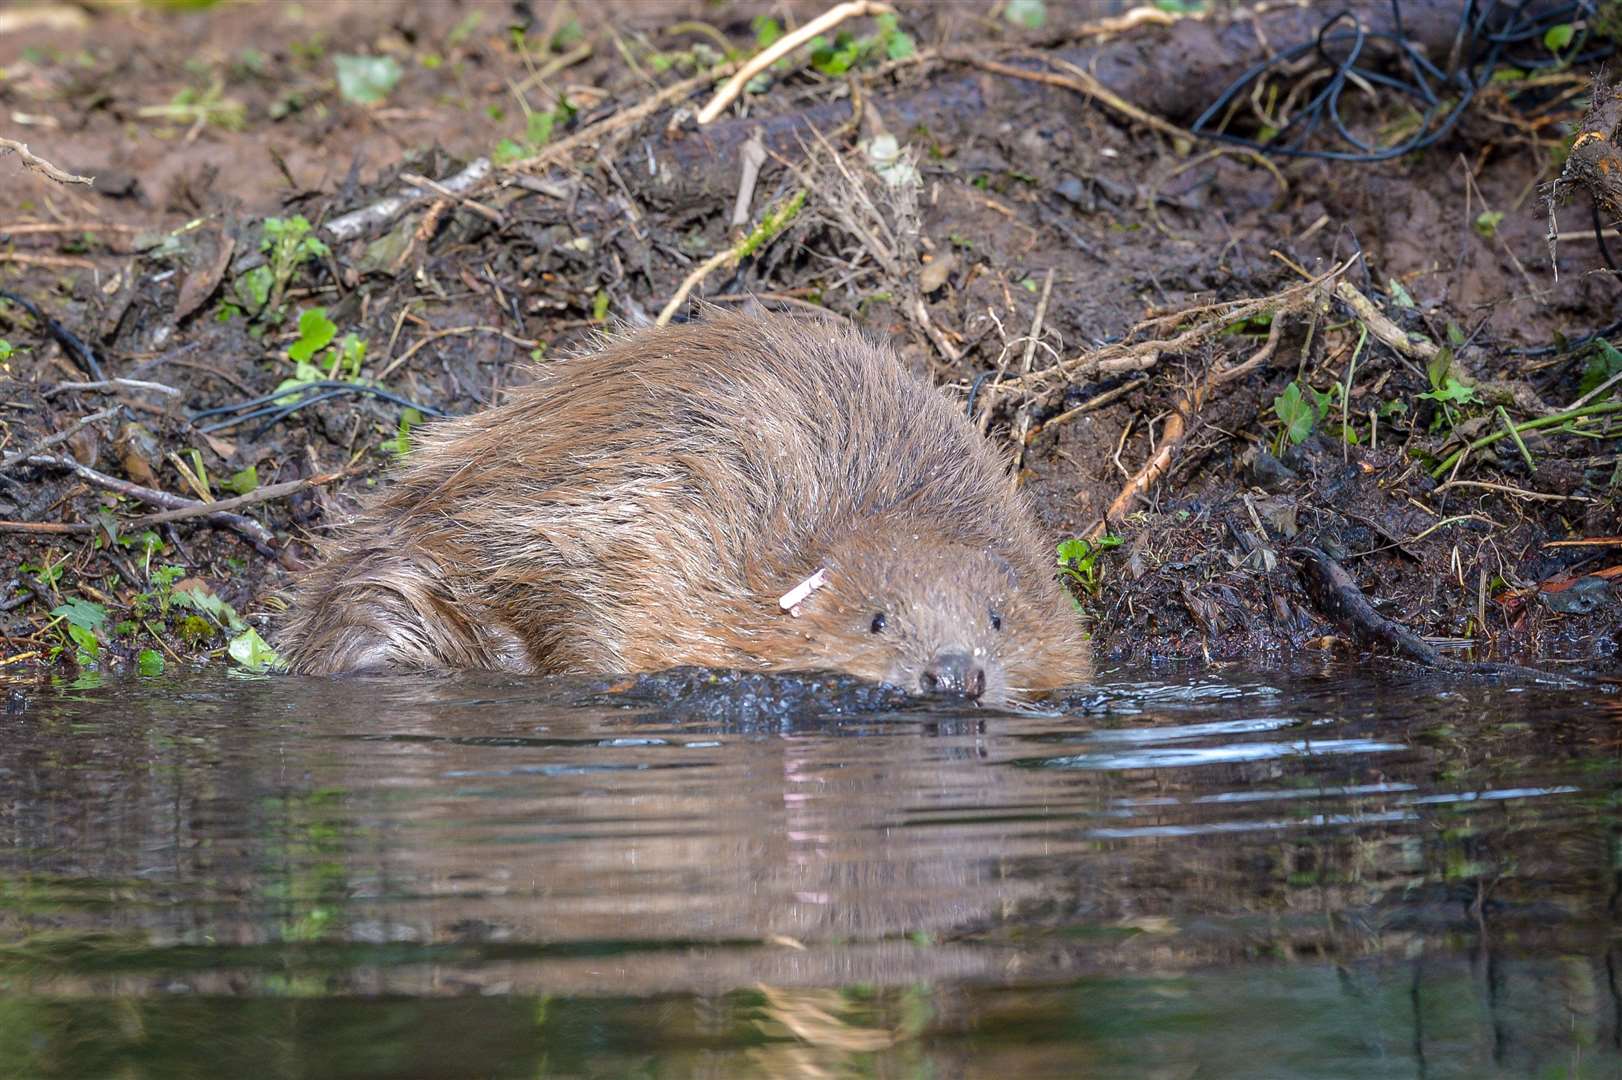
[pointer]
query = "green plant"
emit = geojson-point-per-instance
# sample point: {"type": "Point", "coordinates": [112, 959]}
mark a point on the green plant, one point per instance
{"type": "Point", "coordinates": [7, 350]}
{"type": "Point", "coordinates": [1604, 364]}
{"type": "Point", "coordinates": [400, 445]}
{"type": "Point", "coordinates": [288, 244]}
{"type": "Point", "coordinates": [1447, 390]}
{"type": "Point", "coordinates": [1487, 222]}
{"type": "Point", "coordinates": [846, 51]}
{"type": "Point", "coordinates": [366, 80]}
{"type": "Point", "coordinates": [1078, 561]}
{"type": "Point", "coordinates": [1031, 14]}
{"type": "Point", "coordinates": [314, 361]}
{"type": "Point", "coordinates": [83, 620]}
{"type": "Point", "coordinates": [252, 652]}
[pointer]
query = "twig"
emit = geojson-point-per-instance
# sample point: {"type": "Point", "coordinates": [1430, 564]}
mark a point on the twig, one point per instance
{"type": "Point", "coordinates": [113, 384]}
{"type": "Point", "coordinates": [1519, 493]}
{"type": "Point", "coordinates": [493, 216]}
{"type": "Point", "coordinates": [258, 495]}
{"type": "Point", "coordinates": [1383, 328]}
{"type": "Point", "coordinates": [782, 47]}
{"type": "Point", "coordinates": [1176, 427]}
{"type": "Point", "coordinates": [1587, 541]}
{"type": "Point", "coordinates": [1078, 80]}
{"type": "Point", "coordinates": [1022, 424]}
{"type": "Point", "coordinates": [40, 165]}
{"type": "Point", "coordinates": [255, 533]}
{"type": "Point", "coordinates": [348, 226]}
{"type": "Point", "coordinates": [61, 436]}
{"type": "Point", "coordinates": [593, 135]}
{"type": "Point", "coordinates": [774, 222]}
{"type": "Point", "coordinates": [393, 365]}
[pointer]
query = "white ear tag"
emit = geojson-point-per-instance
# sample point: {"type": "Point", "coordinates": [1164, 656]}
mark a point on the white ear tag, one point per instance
{"type": "Point", "coordinates": [791, 600]}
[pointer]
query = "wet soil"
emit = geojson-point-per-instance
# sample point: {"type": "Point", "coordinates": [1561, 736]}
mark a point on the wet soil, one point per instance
{"type": "Point", "coordinates": [1018, 183]}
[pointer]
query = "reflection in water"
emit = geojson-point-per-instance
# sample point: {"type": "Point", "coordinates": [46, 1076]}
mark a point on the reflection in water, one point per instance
{"type": "Point", "coordinates": [1327, 875]}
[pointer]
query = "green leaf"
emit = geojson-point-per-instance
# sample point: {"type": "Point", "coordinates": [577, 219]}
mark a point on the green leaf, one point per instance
{"type": "Point", "coordinates": [252, 652]}
{"type": "Point", "coordinates": [1298, 415]}
{"type": "Point", "coordinates": [253, 287]}
{"type": "Point", "coordinates": [767, 30]}
{"type": "Point", "coordinates": [315, 332]}
{"type": "Point", "coordinates": [149, 662]}
{"type": "Point", "coordinates": [538, 129]}
{"type": "Point", "coordinates": [599, 306]}
{"type": "Point", "coordinates": [7, 350]}
{"type": "Point", "coordinates": [85, 640]}
{"type": "Point", "coordinates": [244, 481]}
{"type": "Point", "coordinates": [83, 614]}
{"type": "Point", "coordinates": [200, 599]}
{"type": "Point", "coordinates": [1558, 37]}
{"type": "Point", "coordinates": [1604, 362]}
{"type": "Point", "coordinates": [1453, 392]}
{"type": "Point", "coordinates": [1487, 222]}
{"type": "Point", "coordinates": [1031, 14]}
{"type": "Point", "coordinates": [507, 152]}
{"type": "Point", "coordinates": [366, 80]}
{"type": "Point", "coordinates": [1399, 295]}
{"type": "Point", "coordinates": [1437, 370]}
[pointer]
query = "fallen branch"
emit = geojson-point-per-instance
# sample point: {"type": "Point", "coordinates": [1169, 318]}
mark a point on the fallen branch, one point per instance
{"type": "Point", "coordinates": [358, 222]}
{"type": "Point", "coordinates": [40, 165]}
{"type": "Point", "coordinates": [782, 47]}
{"type": "Point", "coordinates": [1339, 600]}
{"type": "Point", "coordinates": [261, 538]}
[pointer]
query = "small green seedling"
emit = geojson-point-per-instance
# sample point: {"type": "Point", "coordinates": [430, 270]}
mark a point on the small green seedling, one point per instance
{"type": "Point", "coordinates": [846, 51]}
{"type": "Point", "coordinates": [1447, 389]}
{"type": "Point", "coordinates": [366, 80]}
{"type": "Point", "coordinates": [1078, 561]}
{"type": "Point", "coordinates": [1031, 14]}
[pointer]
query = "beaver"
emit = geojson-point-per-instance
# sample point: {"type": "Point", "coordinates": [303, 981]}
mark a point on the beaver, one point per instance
{"type": "Point", "coordinates": [743, 491]}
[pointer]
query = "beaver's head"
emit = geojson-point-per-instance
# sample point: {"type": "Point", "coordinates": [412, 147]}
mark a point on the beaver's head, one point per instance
{"type": "Point", "coordinates": [896, 601]}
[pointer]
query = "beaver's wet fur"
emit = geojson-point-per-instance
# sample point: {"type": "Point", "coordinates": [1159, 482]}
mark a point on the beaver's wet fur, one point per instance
{"type": "Point", "coordinates": [649, 505]}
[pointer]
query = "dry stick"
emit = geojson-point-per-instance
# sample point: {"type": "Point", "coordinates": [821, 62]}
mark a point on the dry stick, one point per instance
{"type": "Point", "coordinates": [40, 165]}
{"type": "Point", "coordinates": [114, 384]}
{"type": "Point", "coordinates": [1383, 328]}
{"type": "Point", "coordinates": [1023, 423]}
{"type": "Point", "coordinates": [773, 223]}
{"type": "Point", "coordinates": [1115, 359]}
{"type": "Point", "coordinates": [61, 436]}
{"type": "Point", "coordinates": [1079, 81]}
{"type": "Point", "coordinates": [394, 364]}
{"type": "Point", "coordinates": [257, 534]}
{"type": "Point", "coordinates": [1176, 427]}
{"type": "Point", "coordinates": [1587, 541]}
{"type": "Point", "coordinates": [353, 224]}
{"type": "Point", "coordinates": [782, 47]}
{"type": "Point", "coordinates": [493, 216]}
{"type": "Point", "coordinates": [624, 118]}
{"type": "Point", "coordinates": [1519, 493]}
{"type": "Point", "coordinates": [27, 228]}
{"type": "Point", "coordinates": [259, 495]}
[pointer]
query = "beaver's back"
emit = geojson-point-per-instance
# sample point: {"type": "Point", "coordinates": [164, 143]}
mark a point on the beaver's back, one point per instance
{"type": "Point", "coordinates": [637, 503]}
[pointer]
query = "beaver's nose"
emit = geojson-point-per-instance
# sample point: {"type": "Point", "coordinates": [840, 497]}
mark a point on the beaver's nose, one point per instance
{"type": "Point", "coordinates": [953, 673]}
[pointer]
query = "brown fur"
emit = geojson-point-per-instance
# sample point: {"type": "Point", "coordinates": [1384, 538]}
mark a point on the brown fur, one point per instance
{"type": "Point", "coordinates": [646, 506]}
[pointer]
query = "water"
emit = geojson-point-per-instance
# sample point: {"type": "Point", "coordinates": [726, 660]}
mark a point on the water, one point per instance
{"type": "Point", "coordinates": [1325, 874]}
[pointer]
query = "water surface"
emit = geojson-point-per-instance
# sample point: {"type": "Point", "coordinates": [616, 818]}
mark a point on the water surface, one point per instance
{"type": "Point", "coordinates": [1330, 873]}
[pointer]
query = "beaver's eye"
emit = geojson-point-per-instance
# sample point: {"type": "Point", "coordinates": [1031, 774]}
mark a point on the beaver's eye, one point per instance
{"type": "Point", "coordinates": [996, 620]}
{"type": "Point", "coordinates": [878, 623]}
